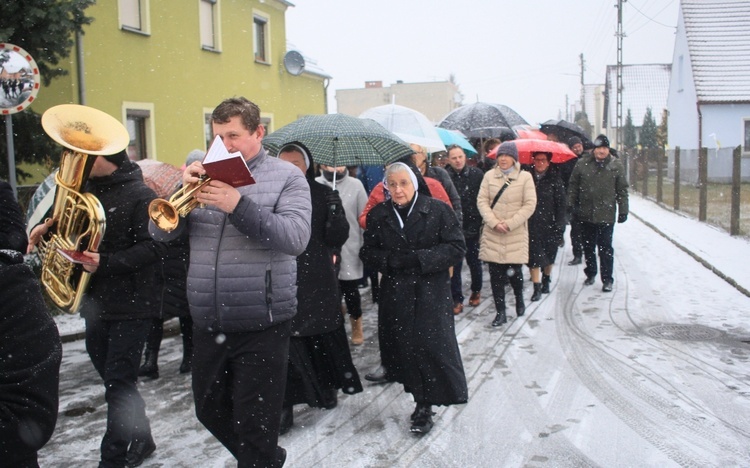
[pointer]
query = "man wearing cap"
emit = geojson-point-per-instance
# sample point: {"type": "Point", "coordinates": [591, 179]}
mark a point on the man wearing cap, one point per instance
{"type": "Point", "coordinates": [597, 196]}
{"type": "Point", "coordinates": [566, 169]}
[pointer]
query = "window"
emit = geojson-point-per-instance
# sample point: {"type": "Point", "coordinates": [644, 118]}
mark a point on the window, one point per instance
{"type": "Point", "coordinates": [208, 131]}
{"type": "Point", "coordinates": [260, 34]}
{"type": "Point", "coordinates": [134, 15]}
{"type": "Point", "coordinates": [209, 24]}
{"type": "Point", "coordinates": [746, 139]}
{"type": "Point", "coordinates": [137, 124]}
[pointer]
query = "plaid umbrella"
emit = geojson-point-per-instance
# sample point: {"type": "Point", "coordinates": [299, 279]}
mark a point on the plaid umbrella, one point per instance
{"type": "Point", "coordinates": [340, 140]}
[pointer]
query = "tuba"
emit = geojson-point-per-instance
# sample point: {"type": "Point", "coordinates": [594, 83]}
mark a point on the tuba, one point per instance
{"type": "Point", "coordinates": [79, 219]}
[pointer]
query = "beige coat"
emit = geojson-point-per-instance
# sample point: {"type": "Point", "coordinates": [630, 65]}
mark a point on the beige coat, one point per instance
{"type": "Point", "coordinates": [515, 207]}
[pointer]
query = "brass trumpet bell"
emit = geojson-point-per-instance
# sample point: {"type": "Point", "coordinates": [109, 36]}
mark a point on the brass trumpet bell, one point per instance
{"type": "Point", "coordinates": [166, 214]}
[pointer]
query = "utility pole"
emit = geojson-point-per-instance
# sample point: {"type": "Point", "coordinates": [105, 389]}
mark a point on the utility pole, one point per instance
{"type": "Point", "coordinates": [583, 87]}
{"type": "Point", "coordinates": [620, 35]}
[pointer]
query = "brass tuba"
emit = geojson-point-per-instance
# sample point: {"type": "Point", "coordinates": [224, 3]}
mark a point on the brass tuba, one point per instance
{"type": "Point", "coordinates": [79, 219]}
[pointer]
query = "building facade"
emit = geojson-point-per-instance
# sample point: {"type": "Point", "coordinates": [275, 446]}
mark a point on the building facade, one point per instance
{"type": "Point", "coordinates": [162, 66]}
{"type": "Point", "coordinates": [434, 99]}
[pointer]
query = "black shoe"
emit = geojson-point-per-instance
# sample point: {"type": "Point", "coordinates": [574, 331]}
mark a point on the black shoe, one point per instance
{"type": "Point", "coordinates": [421, 419]}
{"type": "Point", "coordinates": [500, 319]}
{"type": "Point", "coordinates": [520, 306]}
{"type": "Point", "coordinates": [287, 420]}
{"type": "Point", "coordinates": [330, 398]}
{"type": "Point", "coordinates": [150, 368]}
{"type": "Point", "coordinates": [589, 280]}
{"type": "Point", "coordinates": [379, 376]}
{"type": "Point", "coordinates": [607, 287]}
{"type": "Point", "coordinates": [545, 284]}
{"type": "Point", "coordinates": [139, 450]}
{"type": "Point", "coordinates": [575, 261]}
{"type": "Point", "coordinates": [280, 457]}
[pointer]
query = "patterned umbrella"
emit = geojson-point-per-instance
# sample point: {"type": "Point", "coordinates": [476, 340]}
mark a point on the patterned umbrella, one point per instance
{"type": "Point", "coordinates": [483, 120]}
{"type": "Point", "coordinates": [162, 178]}
{"type": "Point", "coordinates": [340, 140]}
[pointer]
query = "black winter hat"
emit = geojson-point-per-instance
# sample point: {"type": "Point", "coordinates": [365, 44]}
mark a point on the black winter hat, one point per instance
{"type": "Point", "coordinates": [601, 141]}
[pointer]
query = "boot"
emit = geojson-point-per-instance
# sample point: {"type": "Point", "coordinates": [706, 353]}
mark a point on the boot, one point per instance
{"type": "Point", "coordinates": [421, 419]}
{"type": "Point", "coordinates": [517, 283]}
{"type": "Point", "coordinates": [150, 367]}
{"type": "Point", "coordinates": [520, 306]}
{"type": "Point", "coordinates": [357, 334]}
{"type": "Point", "coordinates": [545, 284]}
{"type": "Point", "coordinates": [500, 317]}
{"type": "Point", "coordinates": [186, 328]}
{"type": "Point", "coordinates": [139, 450]}
{"type": "Point", "coordinates": [537, 292]}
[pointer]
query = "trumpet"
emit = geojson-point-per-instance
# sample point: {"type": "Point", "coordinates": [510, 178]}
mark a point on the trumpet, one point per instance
{"type": "Point", "coordinates": [166, 214]}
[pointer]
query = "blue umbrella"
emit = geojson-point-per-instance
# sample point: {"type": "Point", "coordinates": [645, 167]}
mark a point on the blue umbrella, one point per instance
{"type": "Point", "coordinates": [452, 137]}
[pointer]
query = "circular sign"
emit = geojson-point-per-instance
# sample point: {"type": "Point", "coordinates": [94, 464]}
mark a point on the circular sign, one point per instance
{"type": "Point", "coordinates": [19, 79]}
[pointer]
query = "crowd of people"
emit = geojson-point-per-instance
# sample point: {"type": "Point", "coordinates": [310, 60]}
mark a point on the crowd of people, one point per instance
{"type": "Point", "coordinates": [262, 277]}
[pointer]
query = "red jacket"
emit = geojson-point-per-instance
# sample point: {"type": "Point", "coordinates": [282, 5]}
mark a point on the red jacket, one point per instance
{"type": "Point", "coordinates": [378, 196]}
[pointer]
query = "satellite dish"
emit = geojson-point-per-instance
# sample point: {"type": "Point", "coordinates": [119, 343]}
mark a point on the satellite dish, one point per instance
{"type": "Point", "coordinates": [294, 62]}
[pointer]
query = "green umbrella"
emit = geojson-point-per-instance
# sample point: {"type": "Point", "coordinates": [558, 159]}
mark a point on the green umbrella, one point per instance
{"type": "Point", "coordinates": [340, 140]}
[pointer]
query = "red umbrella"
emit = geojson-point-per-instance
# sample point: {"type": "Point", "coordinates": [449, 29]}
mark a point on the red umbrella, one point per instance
{"type": "Point", "coordinates": [526, 132]}
{"type": "Point", "coordinates": [526, 147]}
{"type": "Point", "coordinates": [161, 177]}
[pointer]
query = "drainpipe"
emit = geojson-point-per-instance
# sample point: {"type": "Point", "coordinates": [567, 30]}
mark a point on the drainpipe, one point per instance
{"type": "Point", "coordinates": [80, 70]}
{"type": "Point", "coordinates": [700, 125]}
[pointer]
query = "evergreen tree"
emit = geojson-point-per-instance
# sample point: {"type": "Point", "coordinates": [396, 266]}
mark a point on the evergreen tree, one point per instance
{"type": "Point", "coordinates": [629, 138]}
{"type": "Point", "coordinates": [648, 130]}
{"type": "Point", "coordinates": [582, 119]}
{"type": "Point", "coordinates": [662, 132]}
{"type": "Point", "coordinates": [46, 30]}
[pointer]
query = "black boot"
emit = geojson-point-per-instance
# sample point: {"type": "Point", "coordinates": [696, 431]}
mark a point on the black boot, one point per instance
{"type": "Point", "coordinates": [520, 306]}
{"type": "Point", "coordinates": [545, 284]}
{"type": "Point", "coordinates": [537, 292]}
{"type": "Point", "coordinates": [150, 367]}
{"type": "Point", "coordinates": [139, 450]}
{"type": "Point", "coordinates": [516, 282]}
{"type": "Point", "coordinates": [499, 297]}
{"type": "Point", "coordinates": [186, 328]}
{"type": "Point", "coordinates": [421, 419]}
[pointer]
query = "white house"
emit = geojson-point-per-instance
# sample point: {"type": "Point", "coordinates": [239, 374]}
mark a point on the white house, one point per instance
{"type": "Point", "coordinates": [709, 90]}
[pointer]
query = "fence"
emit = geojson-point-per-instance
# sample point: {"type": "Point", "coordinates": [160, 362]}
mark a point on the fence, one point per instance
{"type": "Point", "coordinates": [712, 185]}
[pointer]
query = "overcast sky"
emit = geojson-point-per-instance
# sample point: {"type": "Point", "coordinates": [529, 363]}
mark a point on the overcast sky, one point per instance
{"type": "Point", "coordinates": [523, 54]}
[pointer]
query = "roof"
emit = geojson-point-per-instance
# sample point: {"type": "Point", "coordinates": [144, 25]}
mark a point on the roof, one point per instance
{"type": "Point", "coordinates": [643, 86]}
{"type": "Point", "coordinates": [718, 37]}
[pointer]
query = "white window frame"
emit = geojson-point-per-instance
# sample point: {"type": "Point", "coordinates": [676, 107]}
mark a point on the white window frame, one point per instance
{"type": "Point", "coordinates": [209, 13]}
{"type": "Point", "coordinates": [258, 19]}
{"type": "Point", "coordinates": [127, 13]}
{"type": "Point", "coordinates": [143, 109]}
{"type": "Point", "coordinates": [746, 136]}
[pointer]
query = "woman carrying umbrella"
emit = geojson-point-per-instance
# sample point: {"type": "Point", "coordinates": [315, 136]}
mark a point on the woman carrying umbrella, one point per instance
{"type": "Point", "coordinates": [413, 239]}
{"type": "Point", "coordinates": [319, 358]}
{"type": "Point", "coordinates": [547, 224]}
{"type": "Point", "coordinates": [506, 200]}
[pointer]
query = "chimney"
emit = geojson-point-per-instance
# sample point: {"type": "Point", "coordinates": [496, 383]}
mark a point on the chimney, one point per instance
{"type": "Point", "coordinates": [373, 84]}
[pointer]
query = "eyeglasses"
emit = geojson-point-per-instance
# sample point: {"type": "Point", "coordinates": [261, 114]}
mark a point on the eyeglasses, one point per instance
{"type": "Point", "coordinates": [392, 186]}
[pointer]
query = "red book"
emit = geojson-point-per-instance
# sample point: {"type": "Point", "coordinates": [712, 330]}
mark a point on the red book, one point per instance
{"type": "Point", "coordinates": [227, 167]}
{"type": "Point", "coordinates": [76, 257]}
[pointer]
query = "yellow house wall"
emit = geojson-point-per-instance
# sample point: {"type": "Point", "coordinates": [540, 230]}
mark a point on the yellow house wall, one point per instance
{"type": "Point", "coordinates": [168, 70]}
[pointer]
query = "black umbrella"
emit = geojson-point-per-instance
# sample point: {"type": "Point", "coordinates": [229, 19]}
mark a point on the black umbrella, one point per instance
{"type": "Point", "coordinates": [483, 120]}
{"type": "Point", "coordinates": [563, 130]}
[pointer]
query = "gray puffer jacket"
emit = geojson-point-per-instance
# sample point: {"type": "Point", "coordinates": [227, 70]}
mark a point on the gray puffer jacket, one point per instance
{"type": "Point", "coordinates": [243, 268]}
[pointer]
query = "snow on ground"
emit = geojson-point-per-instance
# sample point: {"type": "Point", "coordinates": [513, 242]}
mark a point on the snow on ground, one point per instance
{"type": "Point", "coordinates": [653, 374]}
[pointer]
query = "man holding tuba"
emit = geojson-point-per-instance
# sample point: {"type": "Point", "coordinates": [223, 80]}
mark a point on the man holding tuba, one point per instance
{"type": "Point", "coordinates": [120, 303]}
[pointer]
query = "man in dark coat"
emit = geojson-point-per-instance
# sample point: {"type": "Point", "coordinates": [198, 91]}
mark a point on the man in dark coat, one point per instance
{"type": "Point", "coordinates": [319, 358]}
{"type": "Point", "coordinates": [413, 240]}
{"type": "Point", "coordinates": [598, 195]}
{"type": "Point", "coordinates": [467, 180]}
{"type": "Point", "coordinates": [566, 169]}
{"type": "Point", "coordinates": [30, 349]}
{"type": "Point", "coordinates": [120, 303]}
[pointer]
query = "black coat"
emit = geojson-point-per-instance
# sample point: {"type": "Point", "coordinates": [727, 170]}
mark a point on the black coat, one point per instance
{"type": "Point", "coordinates": [30, 355]}
{"type": "Point", "coordinates": [547, 224]}
{"type": "Point", "coordinates": [318, 299]}
{"type": "Point", "coordinates": [172, 278]}
{"type": "Point", "coordinates": [125, 286]}
{"type": "Point", "coordinates": [415, 316]}
{"type": "Point", "coordinates": [467, 183]}
{"type": "Point", "coordinates": [12, 224]}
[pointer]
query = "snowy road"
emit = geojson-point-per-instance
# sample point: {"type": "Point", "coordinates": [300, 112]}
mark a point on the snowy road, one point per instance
{"type": "Point", "coordinates": [654, 374]}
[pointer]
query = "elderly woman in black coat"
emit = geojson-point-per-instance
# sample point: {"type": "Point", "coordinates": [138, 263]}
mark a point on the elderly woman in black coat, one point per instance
{"type": "Point", "coordinates": [319, 358]}
{"type": "Point", "coordinates": [413, 240]}
{"type": "Point", "coordinates": [547, 224]}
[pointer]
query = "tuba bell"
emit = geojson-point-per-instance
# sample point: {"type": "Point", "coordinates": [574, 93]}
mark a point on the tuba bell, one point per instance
{"type": "Point", "coordinates": [79, 219]}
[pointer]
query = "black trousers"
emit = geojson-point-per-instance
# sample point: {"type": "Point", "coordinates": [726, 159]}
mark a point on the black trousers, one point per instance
{"type": "Point", "coordinates": [115, 350]}
{"type": "Point", "coordinates": [502, 274]}
{"type": "Point", "coordinates": [576, 237]}
{"type": "Point", "coordinates": [352, 298]}
{"type": "Point", "coordinates": [475, 269]}
{"type": "Point", "coordinates": [598, 236]}
{"type": "Point", "coordinates": [238, 387]}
